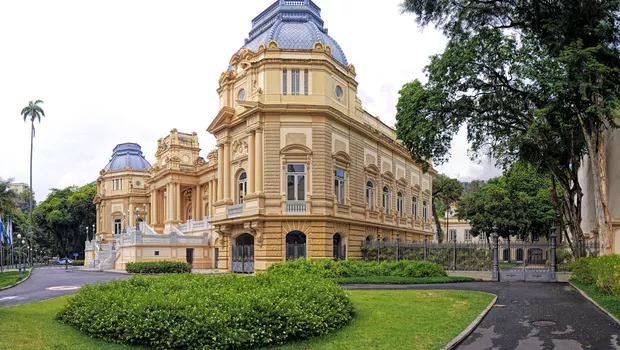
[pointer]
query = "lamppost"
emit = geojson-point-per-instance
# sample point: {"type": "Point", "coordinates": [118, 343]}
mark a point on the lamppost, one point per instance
{"type": "Point", "coordinates": [94, 233]}
{"type": "Point", "coordinates": [19, 266]}
{"type": "Point", "coordinates": [87, 233]}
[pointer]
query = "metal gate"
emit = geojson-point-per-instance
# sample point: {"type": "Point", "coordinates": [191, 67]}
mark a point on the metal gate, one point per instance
{"type": "Point", "coordinates": [243, 254]}
{"type": "Point", "coordinates": [524, 261]}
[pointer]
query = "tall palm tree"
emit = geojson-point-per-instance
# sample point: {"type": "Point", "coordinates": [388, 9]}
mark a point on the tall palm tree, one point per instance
{"type": "Point", "coordinates": [32, 111]}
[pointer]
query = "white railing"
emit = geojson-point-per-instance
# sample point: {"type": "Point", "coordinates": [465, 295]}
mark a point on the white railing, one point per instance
{"type": "Point", "coordinates": [235, 210]}
{"type": "Point", "coordinates": [177, 231]}
{"type": "Point", "coordinates": [296, 207]}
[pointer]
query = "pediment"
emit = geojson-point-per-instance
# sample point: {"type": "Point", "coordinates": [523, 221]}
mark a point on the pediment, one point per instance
{"type": "Point", "coordinates": [341, 156]}
{"type": "Point", "coordinates": [296, 149]}
{"type": "Point", "coordinates": [223, 118]}
{"type": "Point", "coordinates": [372, 169]}
{"type": "Point", "coordinates": [388, 175]}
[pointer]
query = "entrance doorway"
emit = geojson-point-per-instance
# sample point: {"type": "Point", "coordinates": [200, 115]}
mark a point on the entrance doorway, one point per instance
{"type": "Point", "coordinates": [243, 254]}
{"type": "Point", "coordinates": [340, 249]}
{"type": "Point", "coordinates": [189, 255]}
{"type": "Point", "coordinates": [295, 245]}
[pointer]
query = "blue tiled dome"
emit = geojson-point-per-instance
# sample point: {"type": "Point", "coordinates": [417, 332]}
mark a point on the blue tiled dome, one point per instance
{"type": "Point", "coordinates": [127, 154]}
{"type": "Point", "coordinates": [293, 24]}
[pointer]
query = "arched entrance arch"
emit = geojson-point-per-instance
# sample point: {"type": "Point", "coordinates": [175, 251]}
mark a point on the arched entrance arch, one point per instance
{"type": "Point", "coordinates": [295, 245]}
{"type": "Point", "coordinates": [340, 247]}
{"type": "Point", "coordinates": [243, 254]}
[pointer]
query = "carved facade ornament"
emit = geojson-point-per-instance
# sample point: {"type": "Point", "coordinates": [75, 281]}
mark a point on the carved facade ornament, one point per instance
{"type": "Point", "coordinates": [239, 148]}
{"type": "Point", "coordinates": [272, 44]}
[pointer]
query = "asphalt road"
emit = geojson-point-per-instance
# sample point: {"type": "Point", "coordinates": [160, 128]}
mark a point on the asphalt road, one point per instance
{"type": "Point", "coordinates": [34, 289]}
{"type": "Point", "coordinates": [577, 323]}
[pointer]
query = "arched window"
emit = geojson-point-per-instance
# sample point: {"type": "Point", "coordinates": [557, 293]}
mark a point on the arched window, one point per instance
{"type": "Point", "coordinates": [242, 187]}
{"type": "Point", "coordinates": [243, 254]}
{"type": "Point", "coordinates": [424, 211]}
{"type": "Point", "coordinates": [370, 195]}
{"type": "Point", "coordinates": [506, 254]}
{"type": "Point", "coordinates": [295, 245]}
{"type": "Point", "coordinates": [386, 199]}
{"type": "Point", "coordinates": [339, 182]}
{"type": "Point", "coordinates": [414, 207]}
{"type": "Point", "coordinates": [520, 254]}
{"type": "Point", "coordinates": [399, 203]}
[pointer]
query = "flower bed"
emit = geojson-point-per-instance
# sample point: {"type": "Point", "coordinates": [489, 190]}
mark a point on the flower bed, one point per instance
{"type": "Point", "coordinates": [208, 312]}
{"type": "Point", "coordinates": [157, 267]}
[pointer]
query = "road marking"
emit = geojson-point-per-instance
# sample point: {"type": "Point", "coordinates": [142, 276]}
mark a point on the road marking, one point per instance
{"type": "Point", "coordinates": [7, 298]}
{"type": "Point", "coordinates": [60, 288]}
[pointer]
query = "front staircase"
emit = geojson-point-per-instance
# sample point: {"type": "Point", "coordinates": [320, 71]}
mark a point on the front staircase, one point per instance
{"type": "Point", "coordinates": [105, 257]}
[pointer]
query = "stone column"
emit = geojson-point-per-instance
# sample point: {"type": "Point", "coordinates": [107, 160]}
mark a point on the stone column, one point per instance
{"type": "Point", "coordinates": [259, 161]}
{"type": "Point", "coordinates": [251, 171]}
{"type": "Point", "coordinates": [132, 213]}
{"type": "Point", "coordinates": [213, 197]}
{"type": "Point", "coordinates": [199, 206]}
{"type": "Point", "coordinates": [220, 171]}
{"type": "Point", "coordinates": [195, 203]}
{"type": "Point", "coordinates": [153, 207]}
{"type": "Point", "coordinates": [177, 201]}
{"type": "Point", "coordinates": [167, 206]}
{"type": "Point", "coordinates": [226, 175]}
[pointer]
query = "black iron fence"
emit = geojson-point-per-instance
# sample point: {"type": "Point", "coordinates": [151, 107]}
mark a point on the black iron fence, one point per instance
{"type": "Point", "coordinates": [477, 256]}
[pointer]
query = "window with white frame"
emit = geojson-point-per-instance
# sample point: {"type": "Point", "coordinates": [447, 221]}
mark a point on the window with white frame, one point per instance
{"type": "Point", "coordinates": [296, 182]}
{"type": "Point", "coordinates": [414, 207]}
{"type": "Point", "coordinates": [399, 203]}
{"type": "Point", "coordinates": [242, 187]}
{"type": "Point", "coordinates": [467, 235]}
{"type": "Point", "coordinates": [118, 184]}
{"type": "Point", "coordinates": [295, 82]}
{"type": "Point", "coordinates": [386, 199]}
{"type": "Point", "coordinates": [424, 211]}
{"type": "Point", "coordinates": [284, 81]}
{"type": "Point", "coordinates": [370, 194]}
{"type": "Point", "coordinates": [452, 235]}
{"type": "Point", "coordinates": [339, 183]}
{"type": "Point", "coordinates": [117, 226]}
{"type": "Point", "coordinates": [306, 76]}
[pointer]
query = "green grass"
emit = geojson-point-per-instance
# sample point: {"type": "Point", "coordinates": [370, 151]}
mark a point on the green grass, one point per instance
{"type": "Point", "coordinates": [10, 278]}
{"type": "Point", "coordinates": [401, 280]}
{"type": "Point", "coordinates": [609, 302]}
{"type": "Point", "coordinates": [507, 265]}
{"type": "Point", "coordinates": [407, 319]}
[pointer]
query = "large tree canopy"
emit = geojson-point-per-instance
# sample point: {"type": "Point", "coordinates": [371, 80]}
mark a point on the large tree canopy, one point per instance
{"type": "Point", "coordinates": [446, 191]}
{"type": "Point", "coordinates": [534, 81]}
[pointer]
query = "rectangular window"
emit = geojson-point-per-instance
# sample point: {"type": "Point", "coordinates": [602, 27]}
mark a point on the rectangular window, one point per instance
{"type": "Point", "coordinates": [296, 182]}
{"type": "Point", "coordinates": [284, 82]}
{"type": "Point", "coordinates": [339, 181]}
{"type": "Point", "coordinates": [424, 211]}
{"type": "Point", "coordinates": [118, 184]}
{"type": "Point", "coordinates": [386, 200]}
{"type": "Point", "coordinates": [453, 235]}
{"type": "Point", "coordinates": [306, 82]}
{"type": "Point", "coordinates": [295, 82]}
{"type": "Point", "coordinates": [117, 226]}
{"type": "Point", "coordinates": [467, 235]}
{"type": "Point", "coordinates": [399, 205]}
{"type": "Point", "coordinates": [414, 207]}
{"type": "Point", "coordinates": [157, 253]}
{"type": "Point", "coordinates": [370, 195]}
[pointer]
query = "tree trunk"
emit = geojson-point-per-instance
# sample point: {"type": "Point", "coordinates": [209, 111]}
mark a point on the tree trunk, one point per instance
{"type": "Point", "coordinates": [31, 190]}
{"type": "Point", "coordinates": [597, 154]}
{"type": "Point", "coordinates": [437, 223]}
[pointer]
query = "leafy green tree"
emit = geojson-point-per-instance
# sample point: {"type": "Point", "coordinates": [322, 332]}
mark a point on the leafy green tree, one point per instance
{"type": "Point", "coordinates": [7, 197]}
{"type": "Point", "coordinates": [518, 203]}
{"type": "Point", "coordinates": [33, 112]}
{"type": "Point", "coordinates": [535, 81]}
{"type": "Point", "coordinates": [446, 191]}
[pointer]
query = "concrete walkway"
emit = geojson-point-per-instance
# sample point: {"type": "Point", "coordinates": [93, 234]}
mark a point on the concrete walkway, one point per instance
{"type": "Point", "coordinates": [61, 281]}
{"type": "Point", "coordinates": [569, 321]}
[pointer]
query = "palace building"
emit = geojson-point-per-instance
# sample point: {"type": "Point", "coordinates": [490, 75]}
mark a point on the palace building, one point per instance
{"type": "Point", "coordinates": [300, 168]}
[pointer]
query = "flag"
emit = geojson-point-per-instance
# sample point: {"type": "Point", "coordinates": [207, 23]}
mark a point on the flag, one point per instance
{"type": "Point", "coordinates": [9, 232]}
{"type": "Point", "coordinates": [2, 233]}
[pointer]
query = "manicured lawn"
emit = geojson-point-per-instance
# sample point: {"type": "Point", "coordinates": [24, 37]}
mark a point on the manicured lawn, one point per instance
{"type": "Point", "coordinates": [401, 280]}
{"type": "Point", "coordinates": [10, 278]}
{"type": "Point", "coordinates": [384, 320]}
{"type": "Point", "coordinates": [507, 265]}
{"type": "Point", "coordinates": [609, 302]}
{"type": "Point", "coordinates": [404, 319]}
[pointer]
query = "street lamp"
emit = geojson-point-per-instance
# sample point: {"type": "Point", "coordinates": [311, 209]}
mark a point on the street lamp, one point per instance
{"type": "Point", "coordinates": [87, 233]}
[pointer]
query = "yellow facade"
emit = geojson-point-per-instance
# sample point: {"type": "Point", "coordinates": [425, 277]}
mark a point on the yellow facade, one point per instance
{"type": "Point", "coordinates": [295, 156]}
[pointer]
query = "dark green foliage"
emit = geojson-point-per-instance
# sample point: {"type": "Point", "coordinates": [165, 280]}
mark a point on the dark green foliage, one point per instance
{"type": "Point", "coordinates": [356, 268]}
{"type": "Point", "coordinates": [193, 311]}
{"type": "Point", "coordinates": [77, 263]}
{"type": "Point", "coordinates": [402, 280]}
{"type": "Point", "coordinates": [152, 267]}
{"type": "Point", "coordinates": [472, 257]}
{"type": "Point", "coordinates": [446, 191]}
{"type": "Point", "coordinates": [582, 270]}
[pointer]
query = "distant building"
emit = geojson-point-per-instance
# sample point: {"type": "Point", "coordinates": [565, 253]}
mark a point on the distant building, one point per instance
{"type": "Point", "coordinates": [19, 187]}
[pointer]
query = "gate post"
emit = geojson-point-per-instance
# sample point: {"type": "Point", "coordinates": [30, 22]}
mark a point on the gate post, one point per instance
{"type": "Point", "coordinates": [495, 270]}
{"type": "Point", "coordinates": [397, 244]}
{"type": "Point", "coordinates": [553, 276]}
{"type": "Point", "coordinates": [454, 254]}
{"type": "Point", "coordinates": [425, 246]}
{"type": "Point", "coordinates": [378, 245]}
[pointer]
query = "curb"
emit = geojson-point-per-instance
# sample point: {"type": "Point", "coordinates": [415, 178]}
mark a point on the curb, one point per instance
{"type": "Point", "coordinates": [459, 338]}
{"type": "Point", "coordinates": [18, 283]}
{"type": "Point", "coordinates": [594, 302]}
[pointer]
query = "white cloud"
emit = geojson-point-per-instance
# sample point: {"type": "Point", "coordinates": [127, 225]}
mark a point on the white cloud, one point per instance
{"type": "Point", "coordinates": [129, 71]}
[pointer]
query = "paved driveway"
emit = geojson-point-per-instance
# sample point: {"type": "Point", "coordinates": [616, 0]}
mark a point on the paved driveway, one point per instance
{"type": "Point", "coordinates": [56, 277]}
{"type": "Point", "coordinates": [512, 323]}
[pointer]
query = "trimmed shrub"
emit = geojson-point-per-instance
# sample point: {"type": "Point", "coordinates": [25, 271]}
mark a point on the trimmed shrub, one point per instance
{"type": "Point", "coordinates": [77, 263]}
{"type": "Point", "coordinates": [195, 311]}
{"type": "Point", "coordinates": [603, 271]}
{"type": "Point", "coordinates": [152, 267]}
{"type": "Point", "coordinates": [357, 268]}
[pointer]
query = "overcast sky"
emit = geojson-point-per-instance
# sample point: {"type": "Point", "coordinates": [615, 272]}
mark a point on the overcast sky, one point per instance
{"type": "Point", "coordinates": [129, 71]}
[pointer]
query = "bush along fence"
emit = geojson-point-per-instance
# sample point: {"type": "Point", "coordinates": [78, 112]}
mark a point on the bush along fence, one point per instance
{"type": "Point", "coordinates": [476, 256]}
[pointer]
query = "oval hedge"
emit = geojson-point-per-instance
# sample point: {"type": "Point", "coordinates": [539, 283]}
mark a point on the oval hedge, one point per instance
{"type": "Point", "coordinates": [187, 311]}
{"type": "Point", "coordinates": [157, 267]}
